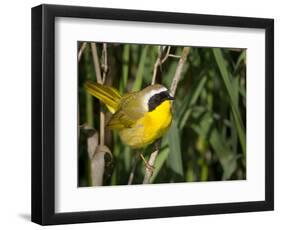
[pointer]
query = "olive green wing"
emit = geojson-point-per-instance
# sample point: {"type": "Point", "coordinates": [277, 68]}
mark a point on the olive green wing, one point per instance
{"type": "Point", "coordinates": [131, 109]}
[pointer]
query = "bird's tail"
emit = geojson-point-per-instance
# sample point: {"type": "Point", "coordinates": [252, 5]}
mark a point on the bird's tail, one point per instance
{"type": "Point", "coordinates": [106, 94]}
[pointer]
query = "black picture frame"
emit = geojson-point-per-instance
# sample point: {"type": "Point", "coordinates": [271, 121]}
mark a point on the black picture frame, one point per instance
{"type": "Point", "coordinates": [43, 110]}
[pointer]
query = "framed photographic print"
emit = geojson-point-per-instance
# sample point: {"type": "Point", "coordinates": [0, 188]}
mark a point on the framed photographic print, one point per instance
{"type": "Point", "coordinates": [142, 114]}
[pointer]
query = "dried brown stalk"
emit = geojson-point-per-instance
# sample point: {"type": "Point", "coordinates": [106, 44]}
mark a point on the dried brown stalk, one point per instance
{"type": "Point", "coordinates": [176, 79]}
{"type": "Point", "coordinates": [97, 161]}
{"type": "Point", "coordinates": [81, 50]}
{"type": "Point", "coordinates": [159, 61]}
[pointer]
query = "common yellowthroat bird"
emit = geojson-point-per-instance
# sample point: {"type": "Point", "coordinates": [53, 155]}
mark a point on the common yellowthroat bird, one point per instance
{"type": "Point", "coordinates": [140, 117]}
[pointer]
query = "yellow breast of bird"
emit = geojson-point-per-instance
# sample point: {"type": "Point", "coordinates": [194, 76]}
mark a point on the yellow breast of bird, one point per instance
{"type": "Point", "coordinates": [149, 128]}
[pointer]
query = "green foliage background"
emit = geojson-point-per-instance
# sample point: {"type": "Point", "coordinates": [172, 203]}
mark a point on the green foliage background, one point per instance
{"type": "Point", "coordinates": [207, 139]}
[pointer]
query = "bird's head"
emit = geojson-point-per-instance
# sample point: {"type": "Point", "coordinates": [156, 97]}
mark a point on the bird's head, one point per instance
{"type": "Point", "coordinates": [154, 95]}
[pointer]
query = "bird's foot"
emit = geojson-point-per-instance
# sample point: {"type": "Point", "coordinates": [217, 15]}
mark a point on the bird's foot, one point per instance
{"type": "Point", "coordinates": [148, 166]}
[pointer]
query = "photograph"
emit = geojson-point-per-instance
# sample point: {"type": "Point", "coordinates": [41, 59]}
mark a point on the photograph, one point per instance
{"type": "Point", "coordinates": [142, 113]}
{"type": "Point", "coordinates": [150, 114]}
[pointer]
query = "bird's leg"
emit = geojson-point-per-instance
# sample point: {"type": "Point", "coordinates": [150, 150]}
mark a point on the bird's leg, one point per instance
{"type": "Point", "coordinates": [147, 165]}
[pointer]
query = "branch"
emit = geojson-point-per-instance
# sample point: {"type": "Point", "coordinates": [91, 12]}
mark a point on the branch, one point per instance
{"type": "Point", "coordinates": [177, 75]}
{"type": "Point", "coordinates": [155, 71]}
{"type": "Point", "coordinates": [96, 62]}
{"type": "Point", "coordinates": [100, 79]}
{"type": "Point", "coordinates": [174, 56]}
{"type": "Point", "coordinates": [97, 161]}
{"type": "Point", "coordinates": [104, 72]}
{"type": "Point", "coordinates": [151, 161]}
{"type": "Point", "coordinates": [80, 52]}
{"type": "Point", "coordinates": [173, 88]}
{"type": "Point", "coordinates": [132, 173]}
{"type": "Point", "coordinates": [104, 65]}
{"type": "Point", "coordinates": [160, 60]}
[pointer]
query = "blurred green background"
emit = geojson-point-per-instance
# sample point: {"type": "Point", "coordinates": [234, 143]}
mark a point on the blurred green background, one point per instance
{"type": "Point", "coordinates": [207, 139]}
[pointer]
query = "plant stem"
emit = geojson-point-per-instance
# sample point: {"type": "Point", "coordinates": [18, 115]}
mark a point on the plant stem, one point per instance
{"type": "Point", "coordinates": [159, 61]}
{"type": "Point", "coordinates": [132, 173]}
{"type": "Point", "coordinates": [177, 75]}
{"type": "Point", "coordinates": [173, 88]}
{"type": "Point", "coordinates": [89, 76]}
{"type": "Point", "coordinates": [97, 162]}
{"type": "Point", "coordinates": [104, 64]}
{"type": "Point", "coordinates": [151, 161]}
{"type": "Point", "coordinates": [100, 80]}
{"type": "Point", "coordinates": [104, 72]}
{"type": "Point", "coordinates": [96, 62]}
{"type": "Point", "coordinates": [80, 52]}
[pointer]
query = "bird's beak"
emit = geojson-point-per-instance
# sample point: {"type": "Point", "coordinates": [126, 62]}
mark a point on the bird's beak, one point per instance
{"type": "Point", "coordinates": [171, 98]}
